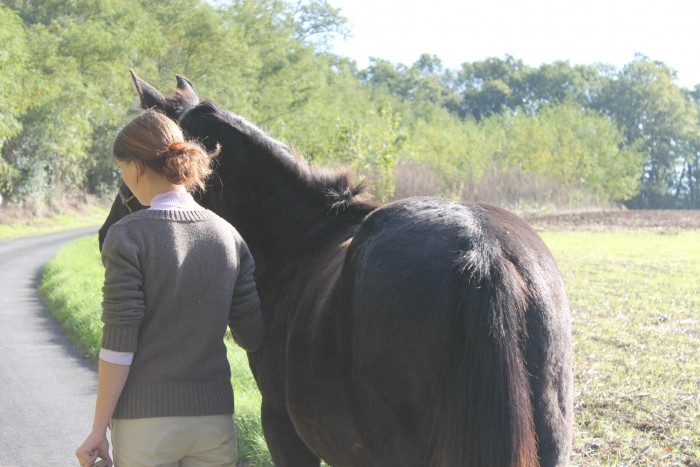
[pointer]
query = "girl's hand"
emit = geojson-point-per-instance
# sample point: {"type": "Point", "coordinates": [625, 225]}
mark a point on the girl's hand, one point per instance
{"type": "Point", "coordinates": [110, 382]}
{"type": "Point", "coordinates": [94, 446]}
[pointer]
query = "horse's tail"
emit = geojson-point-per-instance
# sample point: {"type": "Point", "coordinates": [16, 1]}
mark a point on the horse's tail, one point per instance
{"type": "Point", "coordinates": [481, 412]}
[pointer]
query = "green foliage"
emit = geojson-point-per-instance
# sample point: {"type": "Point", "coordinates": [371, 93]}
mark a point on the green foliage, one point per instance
{"type": "Point", "coordinates": [371, 148]}
{"type": "Point", "coordinates": [573, 146]}
{"type": "Point", "coordinates": [562, 143]}
{"type": "Point", "coordinates": [73, 93]}
{"type": "Point", "coordinates": [488, 87]}
{"type": "Point", "coordinates": [457, 152]}
{"type": "Point", "coordinates": [254, 56]}
{"type": "Point", "coordinates": [655, 116]}
{"type": "Point", "coordinates": [13, 93]}
{"type": "Point", "coordinates": [65, 89]}
{"type": "Point", "coordinates": [654, 113]}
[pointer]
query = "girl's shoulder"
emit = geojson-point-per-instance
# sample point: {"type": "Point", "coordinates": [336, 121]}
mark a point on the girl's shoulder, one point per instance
{"type": "Point", "coordinates": [223, 222]}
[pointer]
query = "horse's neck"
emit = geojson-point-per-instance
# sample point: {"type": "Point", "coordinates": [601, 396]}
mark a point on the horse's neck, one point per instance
{"type": "Point", "coordinates": [288, 223]}
{"type": "Point", "coordinates": [289, 226]}
{"type": "Point", "coordinates": [292, 214]}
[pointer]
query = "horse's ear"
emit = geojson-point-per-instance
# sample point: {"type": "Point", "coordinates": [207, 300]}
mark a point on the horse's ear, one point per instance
{"type": "Point", "coordinates": [184, 84]}
{"type": "Point", "coordinates": [150, 96]}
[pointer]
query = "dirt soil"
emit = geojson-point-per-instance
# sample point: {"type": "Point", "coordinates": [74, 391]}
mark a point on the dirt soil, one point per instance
{"type": "Point", "coordinates": [666, 221]}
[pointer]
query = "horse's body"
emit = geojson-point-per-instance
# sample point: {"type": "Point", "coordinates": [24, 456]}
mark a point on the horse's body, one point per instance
{"type": "Point", "coordinates": [421, 332]}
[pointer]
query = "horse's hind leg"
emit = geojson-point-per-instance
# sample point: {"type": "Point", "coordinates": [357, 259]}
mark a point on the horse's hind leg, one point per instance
{"type": "Point", "coordinates": [286, 448]}
{"type": "Point", "coordinates": [551, 383]}
{"type": "Point", "coordinates": [553, 420]}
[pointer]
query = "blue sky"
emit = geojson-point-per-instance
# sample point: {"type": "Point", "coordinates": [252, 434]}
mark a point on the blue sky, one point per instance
{"type": "Point", "coordinates": [539, 31]}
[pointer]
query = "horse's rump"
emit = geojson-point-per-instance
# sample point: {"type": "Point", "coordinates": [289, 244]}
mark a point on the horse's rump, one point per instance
{"type": "Point", "coordinates": [439, 308]}
{"type": "Point", "coordinates": [395, 268]}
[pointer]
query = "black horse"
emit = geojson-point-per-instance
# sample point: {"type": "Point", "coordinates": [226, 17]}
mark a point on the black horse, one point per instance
{"type": "Point", "coordinates": [422, 332]}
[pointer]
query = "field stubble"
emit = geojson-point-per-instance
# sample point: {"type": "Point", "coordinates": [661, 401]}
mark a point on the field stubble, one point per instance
{"type": "Point", "coordinates": [633, 282]}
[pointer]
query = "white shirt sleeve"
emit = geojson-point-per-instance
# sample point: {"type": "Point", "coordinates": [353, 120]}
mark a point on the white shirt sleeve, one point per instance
{"type": "Point", "coordinates": [118, 358]}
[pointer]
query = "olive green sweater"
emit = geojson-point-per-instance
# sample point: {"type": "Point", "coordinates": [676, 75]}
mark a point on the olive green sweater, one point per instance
{"type": "Point", "coordinates": [173, 281]}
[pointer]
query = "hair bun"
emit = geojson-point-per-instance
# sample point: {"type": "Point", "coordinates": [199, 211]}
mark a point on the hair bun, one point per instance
{"type": "Point", "coordinates": [178, 148]}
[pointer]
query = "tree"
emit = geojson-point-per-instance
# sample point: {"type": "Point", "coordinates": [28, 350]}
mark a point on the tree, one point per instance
{"type": "Point", "coordinates": [14, 96]}
{"type": "Point", "coordinates": [255, 56]}
{"type": "Point", "coordinates": [79, 56]}
{"type": "Point", "coordinates": [13, 59]}
{"type": "Point", "coordinates": [316, 22]}
{"type": "Point", "coordinates": [64, 90]}
{"type": "Point", "coordinates": [577, 147]}
{"type": "Point", "coordinates": [690, 181]}
{"type": "Point", "coordinates": [653, 112]}
{"type": "Point", "coordinates": [559, 82]}
{"type": "Point", "coordinates": [488, 87]}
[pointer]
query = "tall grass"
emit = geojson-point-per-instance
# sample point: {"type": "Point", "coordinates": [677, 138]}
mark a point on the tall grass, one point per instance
{"type": "Point", "coordinates": [510, 188]}
{"type": "Point", "coordinates": [635, 301]}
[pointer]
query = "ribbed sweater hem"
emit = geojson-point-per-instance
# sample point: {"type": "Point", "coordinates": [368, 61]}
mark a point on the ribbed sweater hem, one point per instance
{"type": "Point", "coordinates": [172, 214]}
{"type": "Point", "coordinates": [181, 399]}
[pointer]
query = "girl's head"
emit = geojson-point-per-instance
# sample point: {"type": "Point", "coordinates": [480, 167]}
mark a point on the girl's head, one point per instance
{"type": "Point", "coordinates": [152, 141]}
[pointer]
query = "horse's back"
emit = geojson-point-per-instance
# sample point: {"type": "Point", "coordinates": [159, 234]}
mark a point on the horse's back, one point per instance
{"type": "Point", "coordinates": [403, 271]}
{"type": "Point", "coordinates": [404, 253]}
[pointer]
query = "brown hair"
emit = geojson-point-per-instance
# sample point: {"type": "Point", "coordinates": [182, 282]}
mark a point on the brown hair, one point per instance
{"type": "Point", "coordinates": [157, 142]}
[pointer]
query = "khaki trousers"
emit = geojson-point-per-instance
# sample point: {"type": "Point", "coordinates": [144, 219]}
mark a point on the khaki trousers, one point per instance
{"type": "Point", "coordinates": [174, 441]}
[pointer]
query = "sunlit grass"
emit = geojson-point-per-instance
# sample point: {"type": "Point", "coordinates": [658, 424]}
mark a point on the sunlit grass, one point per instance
{"type": "Point", "coordinates": [251, 442]}
{"type": "Point", "coordinates": [635, 300]}
{"type": "Point", "coordinates": [90, 215]}
{"type": "Point", "coordinates": [72, 287]}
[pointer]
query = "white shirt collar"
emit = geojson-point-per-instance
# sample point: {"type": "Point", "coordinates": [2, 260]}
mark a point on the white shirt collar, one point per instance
{"type": "Point", "coordinates": [175, 200]}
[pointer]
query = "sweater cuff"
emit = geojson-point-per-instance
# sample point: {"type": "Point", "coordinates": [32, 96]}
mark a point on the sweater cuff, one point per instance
{"type": "Point", "coordinates": [120, 338]}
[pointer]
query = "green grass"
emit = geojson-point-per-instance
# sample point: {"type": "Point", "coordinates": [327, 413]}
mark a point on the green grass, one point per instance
{"type": "Point", "coordinates": [635, 300]}
{"type": "Point", "coordinates": [90, 215]}
{"type": "Point", "coordinates": [72, 287]}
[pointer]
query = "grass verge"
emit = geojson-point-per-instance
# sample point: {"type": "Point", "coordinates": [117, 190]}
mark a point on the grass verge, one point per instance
{"type": "Point", "coordinates": [86, 216]}
{"type": "Point", "coordinates": [635, 300]}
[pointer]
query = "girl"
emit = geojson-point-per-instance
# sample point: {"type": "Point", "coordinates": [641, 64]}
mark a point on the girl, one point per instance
{"type": "Point", "coordinates": [176, 275]}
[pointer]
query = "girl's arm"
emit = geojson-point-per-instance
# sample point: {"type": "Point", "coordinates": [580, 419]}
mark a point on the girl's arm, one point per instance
{"type": "Point", "coordinates": [245, 318]}
{"type": "Point", "coordinates": [110, 383]}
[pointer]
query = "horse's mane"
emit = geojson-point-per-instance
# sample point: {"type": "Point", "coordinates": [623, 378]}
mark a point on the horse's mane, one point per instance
{"type": "Point", "coordinates": [332, 188]}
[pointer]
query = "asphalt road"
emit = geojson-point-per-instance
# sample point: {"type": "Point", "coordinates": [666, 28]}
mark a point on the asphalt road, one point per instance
{"type": "Point", "coordinates": [47, 389]}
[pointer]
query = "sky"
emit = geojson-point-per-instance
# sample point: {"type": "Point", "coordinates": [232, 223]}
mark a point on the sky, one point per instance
{"type": "Point", "coordinates": [535, 31]}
